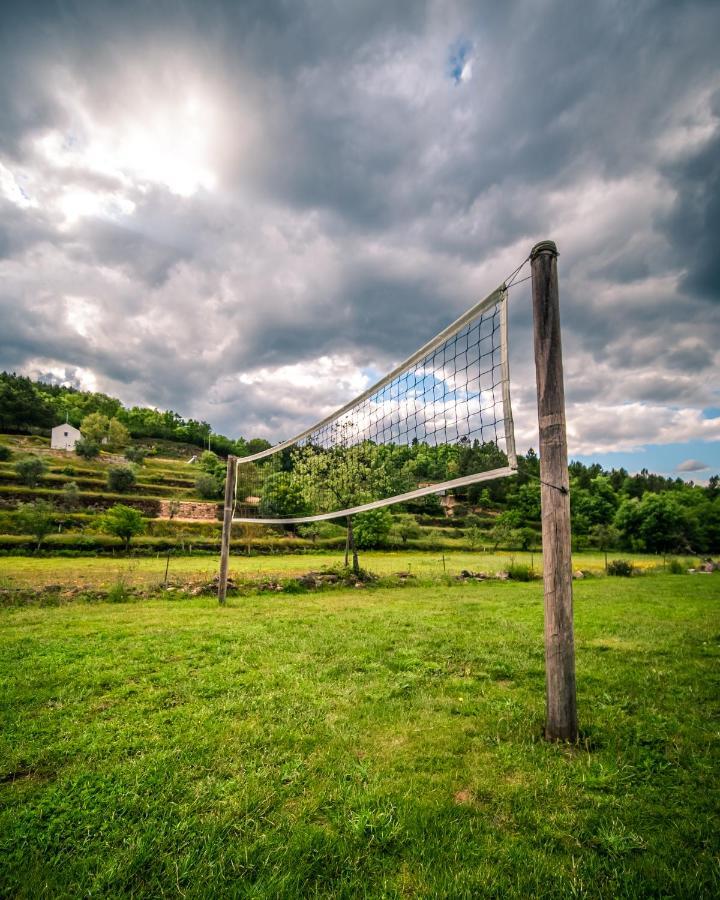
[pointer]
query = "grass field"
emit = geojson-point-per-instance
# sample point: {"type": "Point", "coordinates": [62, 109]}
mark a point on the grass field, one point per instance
{"type": "Point", "coordinates": [29, 571]}
{"type": "Point", "coordinates": [361, 743]}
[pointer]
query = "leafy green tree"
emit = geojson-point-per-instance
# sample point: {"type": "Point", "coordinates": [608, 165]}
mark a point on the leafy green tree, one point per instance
{"type": "Point", "coordinates": [94, 427]}
{"type": "Point", "coordinates": [283, 497]}
{"type": "Point", "coordinates": [371, 528]}
{"type": "Point", "coordinates": [209, 462]}
{"type": "Point", "coordinates": [256, 445]}
{"type": "Point", "coordinates": [70, 496]}
{"type": "Point", "coordinates": [406, 527]}
{"type": "Point", "coordinates": [5, 453]}
{"type": "Point", "coordinates": [527, 538]}
{"type": "Point", "coordinates": [503, 531]}
{"type": "Point", "coordinates": [122, 521]}
{"type": "Point", "coordinates": [87, 449]}
{"type": "Point", "coordinates": [120, 479]}
{"type": "Point", "coordinates": [30, 470]}
{"type": "Point", "coordinates": [117, 434]}
{"type": "Point", "coordinates": [21, 406]}
{"type": "Point", "coordinates": [604, 537]}
{"type": "Point", "coordinates": [37, 519]}
{"type": "Point", "coordinates": [665, 524]}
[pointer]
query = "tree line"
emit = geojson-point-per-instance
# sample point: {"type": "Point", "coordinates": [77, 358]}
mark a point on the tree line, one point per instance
{"type": "Point", "coordinates": [34, 406]}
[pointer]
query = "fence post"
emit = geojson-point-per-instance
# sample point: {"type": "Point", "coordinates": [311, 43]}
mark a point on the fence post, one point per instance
{"type": "Point", "coordinates": [227, 527]}
{"type": "Point", "coordinates": [561, 720]}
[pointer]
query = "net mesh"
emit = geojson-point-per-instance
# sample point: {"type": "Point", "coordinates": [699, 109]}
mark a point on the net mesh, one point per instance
{"type": "Point", "coordinates": [440, 421]}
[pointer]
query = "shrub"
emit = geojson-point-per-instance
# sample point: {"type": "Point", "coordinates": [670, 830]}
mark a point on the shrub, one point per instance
{"type": "Point", "coordinates": [314, 530]}
{"type": "Point", "coordinates": [207, 486]}
{"type": "Point", "coordinates": [87, 448]}
{"type": "Point", "coordinates": [621, 568]}
{"type": "Point", "coordinates": [120, 479]}
{"type": "Point", "coordinates": [68, 470]}
{"type": "Point", "coordinates": [136, 455]}
{"type": "Point", "coordinates": [30, 470]}
{"type": "Point", "coordinates": [520, 572]}
{"type": "Point", "coordinates": [5, 453]}
{"type": "Point", "coordinates": [676, 567]}
{"type": "Point", "coordinates": [119, 593]}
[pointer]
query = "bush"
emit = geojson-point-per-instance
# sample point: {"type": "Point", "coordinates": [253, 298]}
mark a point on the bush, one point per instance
{"type": "Point", "coordinates": [676, 567]}
{"type": "Point", "coordinates": [87, 449]}
{"type": "Point", "coordinates": [207, 486]}
{"type": "Point", "coordinates": [119, 593]}
{"type": "Point", "coordinates": [520, 572]}
{"type": "Point", "coordinates": [30, 470]}
{"type": "Point", "coordinates": [5, 453]}
{"type": "Point", "coordinates": [136, 455]}
{"type": "Point", "coordinates": [621, 568]}
{"type": "Point", "coordinates": [120, 479]}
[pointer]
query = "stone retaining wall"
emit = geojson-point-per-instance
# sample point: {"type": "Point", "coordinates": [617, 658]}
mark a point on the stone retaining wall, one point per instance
{"type": "Point", "coordinates": [189, 509]}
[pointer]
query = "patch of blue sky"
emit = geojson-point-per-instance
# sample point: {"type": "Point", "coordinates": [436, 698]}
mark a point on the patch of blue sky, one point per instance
{"type": "Point", "coordinates": [662, 459]}
{"type": "Point", "coordinates": [711, 412]}
{"type": "Point", "coordinates": [459, 61]}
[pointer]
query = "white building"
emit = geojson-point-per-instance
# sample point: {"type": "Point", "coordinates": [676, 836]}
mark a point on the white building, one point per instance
{"type": "Point", "coordinates": [64, 437]}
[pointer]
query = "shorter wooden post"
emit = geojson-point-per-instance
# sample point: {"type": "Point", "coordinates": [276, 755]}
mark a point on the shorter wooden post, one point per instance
{"type": "Point", "coordinates": [227, 526]}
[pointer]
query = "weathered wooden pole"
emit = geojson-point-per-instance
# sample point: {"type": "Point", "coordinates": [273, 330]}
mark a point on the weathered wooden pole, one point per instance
{"type": "Point", "coordinates": [227, 526]}
{"type": "Point", "coordinates": [561, 722]}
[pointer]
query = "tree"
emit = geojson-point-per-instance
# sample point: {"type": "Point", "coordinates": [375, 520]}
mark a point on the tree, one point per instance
{"type": "Point", "coordinates": [37, 518]}
{"type": "Point", "coordinates": [283, 497]}
{"type": "Point", "coordinates": [122, 521]}
{"type": "Point", "coordinates": [209, 462]}
{"type": "Point", "coordinates": [527, 538]}
{"type": "Point", "coordinates": [5, 453]}
{"type": "Point", "coordinates": [70, 495]}
{"type": "Point", "coordinates": [120, 479]}
{"type": "Point", "coordinates": [30, 470]}
{"type": "Point", "coordinates": [503, 530]}
{"type": "Point", "coordinates": [371, 528]}
{"type": "Point", "coordinates": [94, 427]}
{"type": "Point", "coordinates": [473, 532]}
{"type": "Point", "coordinates": [117, 434]}
{"type": "Point", "coordinates": [604, 537]}
{"type": "Point", "coordinates": [87, 449]}
{"type": "Point", "coordinates": [406, 527]}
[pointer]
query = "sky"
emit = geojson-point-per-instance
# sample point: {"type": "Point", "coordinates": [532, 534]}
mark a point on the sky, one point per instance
{"type": "Point", "coordinates": [249, 211]}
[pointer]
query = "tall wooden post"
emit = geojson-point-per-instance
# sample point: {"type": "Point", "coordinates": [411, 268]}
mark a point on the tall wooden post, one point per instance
{"type": "Point", "coordinates": [561, 722]}
{"type": "Point", "coordinates": [227, 526]}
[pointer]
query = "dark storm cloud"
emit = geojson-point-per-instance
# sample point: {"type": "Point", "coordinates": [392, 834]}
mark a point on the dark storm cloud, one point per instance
{"type": "Point", "coordinates": [376, 168]}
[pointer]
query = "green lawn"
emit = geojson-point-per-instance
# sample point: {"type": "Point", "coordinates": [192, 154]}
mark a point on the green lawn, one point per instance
{"type": "Point", "coordinates": [29, 571]}
{"type": "Point", "coordinates": [361, 743]}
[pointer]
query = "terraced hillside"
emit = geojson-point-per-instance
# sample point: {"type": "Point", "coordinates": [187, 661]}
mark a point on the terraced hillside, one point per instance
{"type": "Point", "coordinates": [176, 517]}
